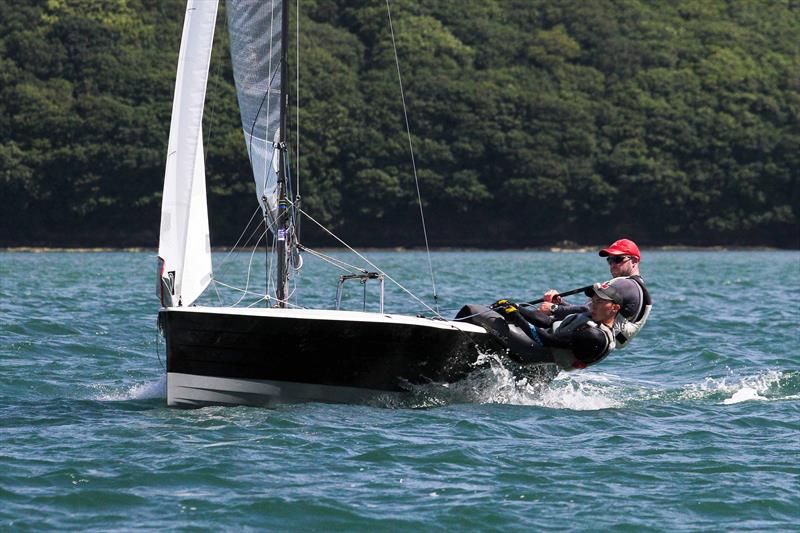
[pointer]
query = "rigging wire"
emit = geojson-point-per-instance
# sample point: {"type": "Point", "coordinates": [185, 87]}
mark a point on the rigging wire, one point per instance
{"type": "Point", "coordinates": [297, 95]}
{"type": "Point", "coordinates": [247, 226]}
{"type": "Point", "coordinates": [259, 297]}
{"type": "Point", "coordinates": [215, 279]}
{"type": "Point", "coordinates": [249, 268]}
{"type": "Point", "coordinates": [413, 162]}
{"type": "Point", "coordinates": [370, 263]}
{"type": "Point", "coordinates": [239, 289]}
{"type": "Point", "coordinates": [338, 263]}
{"type": "Point", "coordinates": [265, 207]}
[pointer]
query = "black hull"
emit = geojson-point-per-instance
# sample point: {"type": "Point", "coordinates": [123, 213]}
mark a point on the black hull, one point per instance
{"type": "Point", "coordinates": [268, 356]}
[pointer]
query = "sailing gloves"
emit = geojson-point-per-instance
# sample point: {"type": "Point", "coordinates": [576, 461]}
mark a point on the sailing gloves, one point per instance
{"type": "Point", "coordinates": [504, 307]}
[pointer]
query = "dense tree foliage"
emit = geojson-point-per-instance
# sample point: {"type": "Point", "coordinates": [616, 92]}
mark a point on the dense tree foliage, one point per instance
{"type": "Point", "coordinates": [533, 122]}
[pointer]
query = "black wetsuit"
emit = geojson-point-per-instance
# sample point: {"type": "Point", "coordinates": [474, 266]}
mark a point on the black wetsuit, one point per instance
{"type": "Point", "coordinates": [533, 338]}
{"type": "Point", "coordinates": [518, 341]}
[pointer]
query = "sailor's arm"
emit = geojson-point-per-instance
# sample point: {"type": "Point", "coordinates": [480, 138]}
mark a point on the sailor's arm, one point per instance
{"type": "Point", "coordinates": [555, 306]}
{"type": "Point", "coordinates": [559, 312]}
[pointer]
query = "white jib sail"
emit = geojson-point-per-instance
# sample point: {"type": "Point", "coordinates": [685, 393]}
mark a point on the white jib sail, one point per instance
{"type": "Point", "coordinates": [184, 244]}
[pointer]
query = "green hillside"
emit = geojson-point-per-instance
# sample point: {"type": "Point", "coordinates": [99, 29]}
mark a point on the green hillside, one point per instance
{"type": "Point", "coordinates": [533, 122]}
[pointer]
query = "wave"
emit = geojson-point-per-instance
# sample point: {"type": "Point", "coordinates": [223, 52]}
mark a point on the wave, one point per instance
{"type": "Point", "coordinates": [768, 385]}
{"type": "Point", "coordinates": [501, 381]}
{"type": "Point", "coordinates": [141, 391]}
{"type": "Point", "coordinates": [593, 390]}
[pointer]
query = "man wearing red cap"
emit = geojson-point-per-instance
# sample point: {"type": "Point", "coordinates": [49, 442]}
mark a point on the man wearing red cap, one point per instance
{"type": "Point", "coordinates": [623, 258]}
{"type": "Point", "coordinates": [573, 336]}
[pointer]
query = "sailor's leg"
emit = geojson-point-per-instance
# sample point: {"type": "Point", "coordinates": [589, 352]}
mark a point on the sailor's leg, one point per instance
{"type": "Point", "coordinates": [483, 316]}
{"type": "Point", "coordinates": [533, 354]}
{"type": "Point", "coordinates": [515, 338]}
{"type": "Point", "coordinates": [536, 317]}
{"type": "Point", "coordinates": [471, 313]}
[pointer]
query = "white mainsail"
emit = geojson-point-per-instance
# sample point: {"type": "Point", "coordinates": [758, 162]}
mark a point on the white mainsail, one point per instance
{"type": "Point", "coordinates": [184, 245]}
{"type": "Point", "coordinates": [254, 27]}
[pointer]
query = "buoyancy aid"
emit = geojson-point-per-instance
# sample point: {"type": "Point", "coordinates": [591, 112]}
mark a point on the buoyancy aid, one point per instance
{"type": "Point", "coordinates": [626, 329]}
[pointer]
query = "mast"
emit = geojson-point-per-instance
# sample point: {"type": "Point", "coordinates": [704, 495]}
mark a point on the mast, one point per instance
{"type": "Point", "coordinates": [283, 204]}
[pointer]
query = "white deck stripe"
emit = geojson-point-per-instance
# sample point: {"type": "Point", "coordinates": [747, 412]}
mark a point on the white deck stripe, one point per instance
{"type": "Point", "coordinates": [325, 314]}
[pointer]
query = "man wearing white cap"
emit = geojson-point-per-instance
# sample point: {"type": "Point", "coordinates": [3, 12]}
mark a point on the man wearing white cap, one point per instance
{"type": "Point", "coordinates": [575, 341]}
{"type": "Point", "coordinates": [532, 337]}
{"type": "Point", "coordinates": [623, 258]}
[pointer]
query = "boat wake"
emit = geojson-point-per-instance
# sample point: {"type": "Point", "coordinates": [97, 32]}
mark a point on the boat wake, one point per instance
{"type": "Point", "coordinates": [499, 380]}
{"type": "Point", "coordinates": [500, 383]}
{"type": "Point", "coordinates": [545, 387]}
{"type": "Point", "coordinates": [140, 391]}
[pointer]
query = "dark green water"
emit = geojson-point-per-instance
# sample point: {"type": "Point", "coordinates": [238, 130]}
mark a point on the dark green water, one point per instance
{"type": "Point", "coordinates": [695, 426]}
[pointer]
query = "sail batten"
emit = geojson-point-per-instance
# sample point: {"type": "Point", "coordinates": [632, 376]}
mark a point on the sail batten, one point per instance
{"type": "Point", "coordinates": [184, 244]}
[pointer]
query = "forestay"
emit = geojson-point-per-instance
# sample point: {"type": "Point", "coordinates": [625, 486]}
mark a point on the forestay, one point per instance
{"type": "Point", "coordinates": [184, 245]}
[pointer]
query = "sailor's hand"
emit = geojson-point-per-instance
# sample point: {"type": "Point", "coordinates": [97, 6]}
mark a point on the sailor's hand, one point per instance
{"type": "Point", "coordinates": [504, 307]}
{"type": "Point", "coordinates": [551, 296]}
{"type": "Point", "coordinates": [548, 307]}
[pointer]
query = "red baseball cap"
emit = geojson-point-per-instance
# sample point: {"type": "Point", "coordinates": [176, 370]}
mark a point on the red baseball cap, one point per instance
{"type": "Point", "coordinates": [622, 247]}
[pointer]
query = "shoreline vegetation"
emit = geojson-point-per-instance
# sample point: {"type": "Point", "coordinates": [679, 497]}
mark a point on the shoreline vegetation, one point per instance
{"type": "Point", "coordinates": [532, 123]}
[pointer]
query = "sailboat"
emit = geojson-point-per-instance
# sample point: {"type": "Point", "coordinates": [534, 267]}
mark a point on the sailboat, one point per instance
{"type": "Point", "coordinates": [278, 353]}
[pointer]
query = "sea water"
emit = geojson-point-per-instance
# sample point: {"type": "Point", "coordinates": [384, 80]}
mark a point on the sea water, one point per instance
{"type": "Point", "coordinates": [694, 426]}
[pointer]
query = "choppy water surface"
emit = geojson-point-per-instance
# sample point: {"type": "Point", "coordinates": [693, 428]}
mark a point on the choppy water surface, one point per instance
{"type": "Point", "coordinates": [693, 427]}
